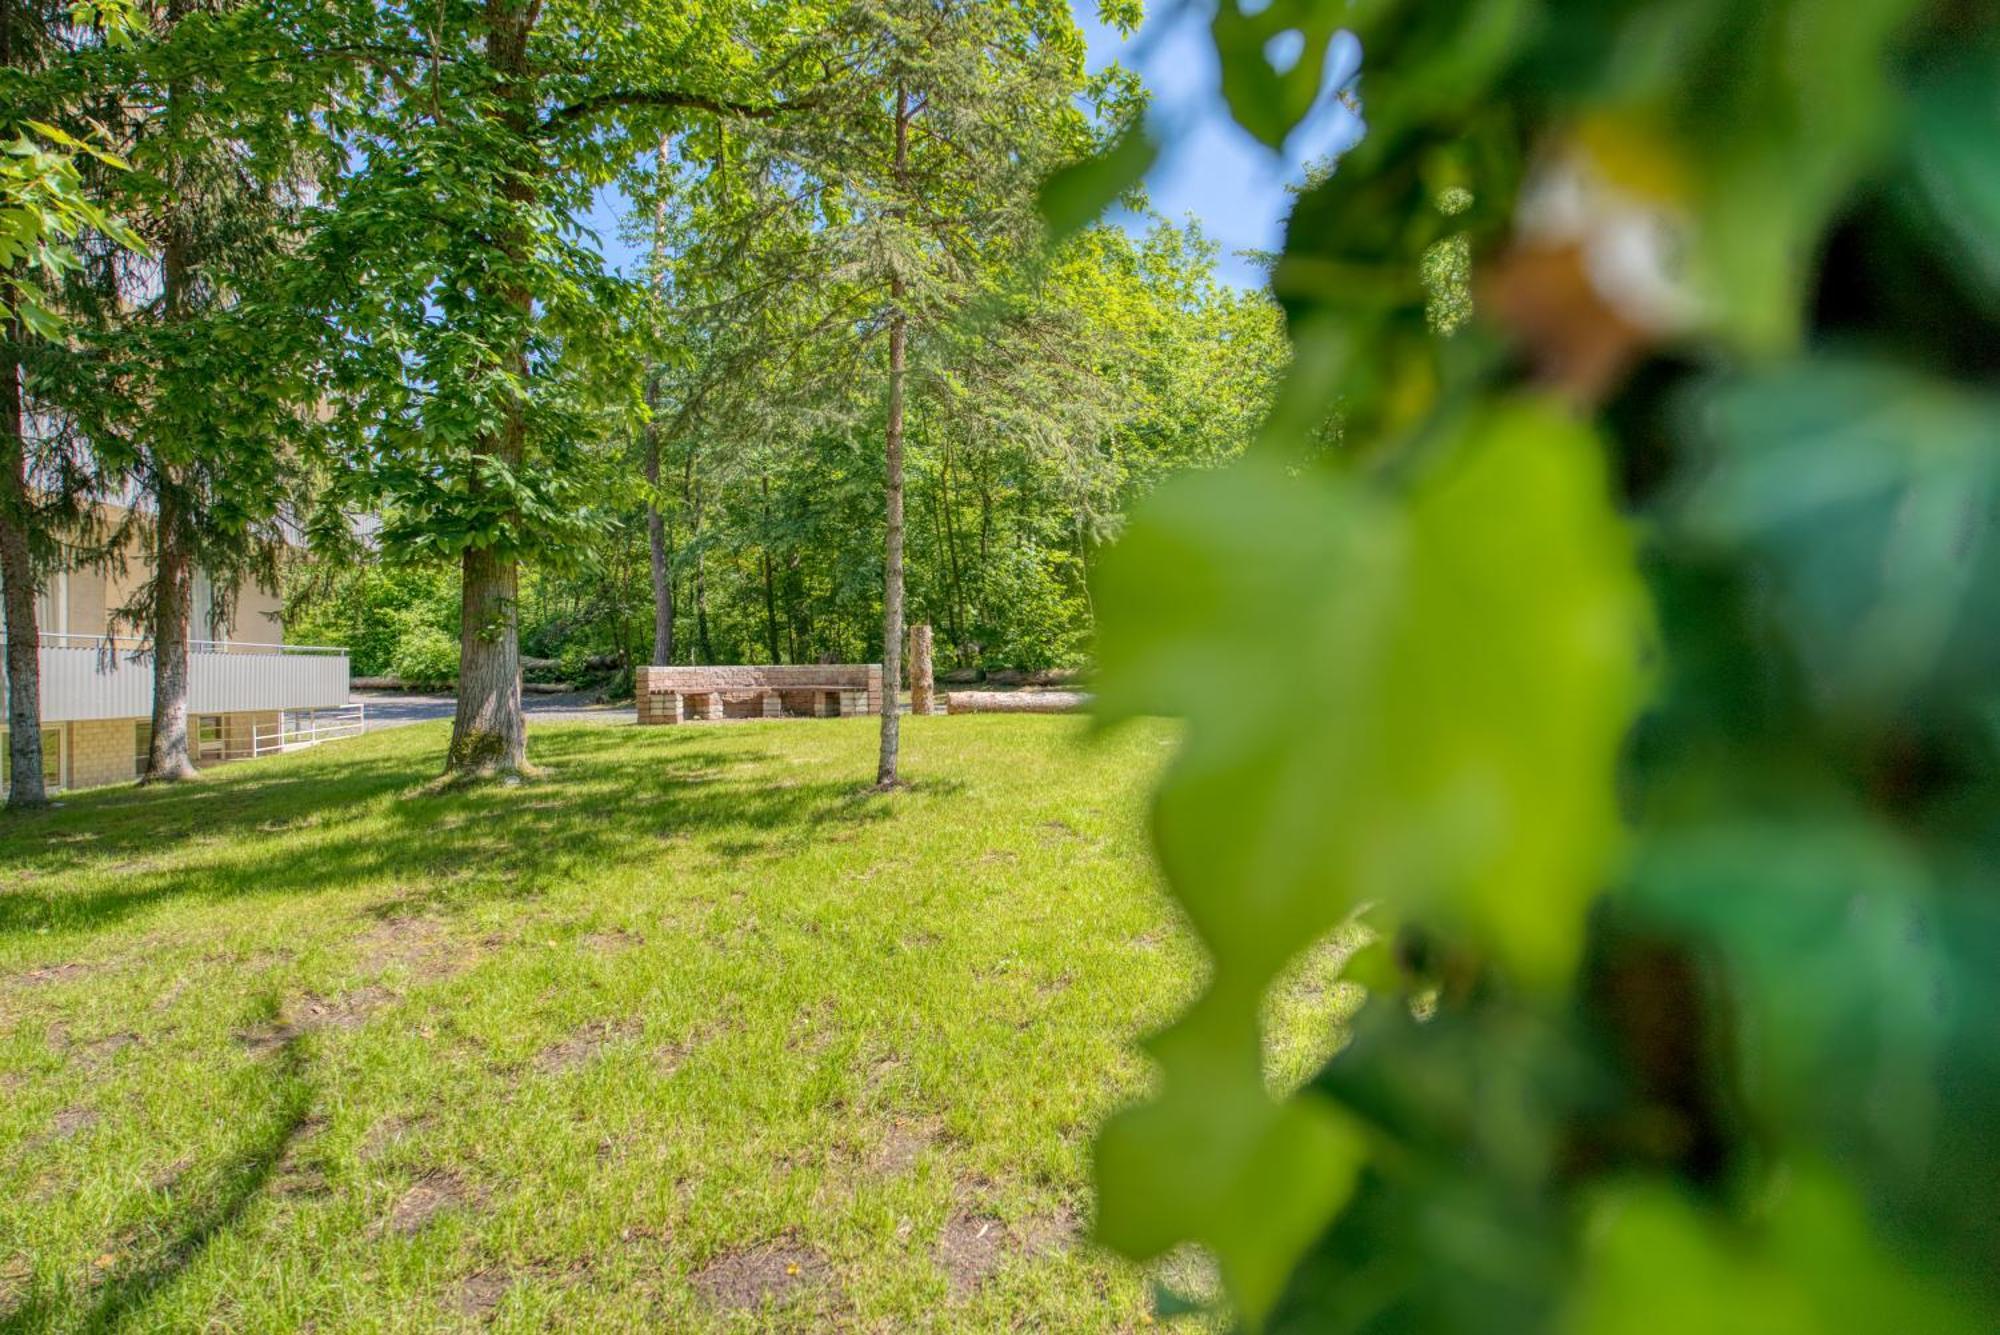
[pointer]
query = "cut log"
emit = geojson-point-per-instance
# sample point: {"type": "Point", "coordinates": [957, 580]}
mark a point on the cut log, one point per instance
{"type": "Point", "coordinates": [1016, 702]}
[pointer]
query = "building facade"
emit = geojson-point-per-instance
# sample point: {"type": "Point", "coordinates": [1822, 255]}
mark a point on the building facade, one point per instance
{"type": "Point", "coordinates": [249, 692]}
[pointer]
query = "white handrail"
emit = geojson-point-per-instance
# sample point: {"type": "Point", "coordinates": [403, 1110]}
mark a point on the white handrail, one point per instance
{"type": "Point", "coordinates": [301, 728]}
{"type": "Point", "coordinates": [55, 640]}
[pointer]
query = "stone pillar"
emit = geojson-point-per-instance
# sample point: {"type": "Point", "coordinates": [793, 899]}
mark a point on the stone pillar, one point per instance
{"type": "Point", "coordinates": [923, 679]}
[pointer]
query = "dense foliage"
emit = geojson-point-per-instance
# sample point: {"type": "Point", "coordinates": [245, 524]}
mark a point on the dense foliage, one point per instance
{"type": "Point", "coordinates": [1019, 474]}
{"type": "Point", "coordinates": [361, 303]}
{"type": "Point", "coordinates": [1629, 667]}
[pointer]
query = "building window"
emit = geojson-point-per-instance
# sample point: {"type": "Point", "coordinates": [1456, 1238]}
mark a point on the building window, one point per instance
{"type": "Point", "coordinates": [208, 737]}
{"type": "Point", "coordinates": [142, 746]}
{"type": "Point", "coordinates": [51, 759]}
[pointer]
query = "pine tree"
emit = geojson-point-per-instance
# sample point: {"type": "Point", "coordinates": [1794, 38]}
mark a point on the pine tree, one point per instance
{"type": "Point", "coordinates": [954, 113]}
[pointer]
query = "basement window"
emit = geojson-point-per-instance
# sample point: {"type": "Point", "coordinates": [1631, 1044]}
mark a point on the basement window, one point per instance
{"type": "Point", "coordinates": [208, 737]}
{"type": "Point", "coordinates": [51, 760]}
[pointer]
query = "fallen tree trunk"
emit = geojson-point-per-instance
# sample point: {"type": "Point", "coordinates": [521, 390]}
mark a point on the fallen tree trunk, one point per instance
{"type": "Point", "coordinates": [398, 684]}
{"type": "Point", "coordinates": [1016, 702]}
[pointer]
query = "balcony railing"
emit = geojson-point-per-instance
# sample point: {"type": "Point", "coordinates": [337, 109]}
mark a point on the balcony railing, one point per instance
{"type": "Point", "coordinates": [133, 644]}
{"type": "Point", "coordinates": [111, 676]}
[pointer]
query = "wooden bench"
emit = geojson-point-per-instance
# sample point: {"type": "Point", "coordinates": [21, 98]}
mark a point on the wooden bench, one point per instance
{"type": "Point", "coordinates": [686, 694]}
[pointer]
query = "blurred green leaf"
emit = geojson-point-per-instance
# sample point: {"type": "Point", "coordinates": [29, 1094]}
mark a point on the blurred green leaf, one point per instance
{"type": "Point", "coordinates": [1808, 1267]}
{"type": "Point", "coordinates": [1267, 100]}
{"type": "Point", "coordinates": [1954, 144]}
{"type": "Point", "coordinates": [1078, 195]}
{"type": "Point", "coordinates": [1828, 926]}
{"type": "Point", "coordinates": [1414, 699]}
{"type": "Point", "coordinates": [1868, 495]}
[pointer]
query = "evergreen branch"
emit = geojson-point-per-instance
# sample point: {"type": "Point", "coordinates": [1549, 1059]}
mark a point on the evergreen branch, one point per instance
{"type": "Point", "coordinates": [668, 100]}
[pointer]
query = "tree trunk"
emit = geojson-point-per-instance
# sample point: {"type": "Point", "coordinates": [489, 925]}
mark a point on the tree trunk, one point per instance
{"type": "Point", "coordinates": [656, 522]}
{"type": "Point", "coordinates": [923, 676]}
{"type": "Point", "coordinates": [701, 585]}
{"type": "Point", "coordinates": [1017, 702]}
{"type": "Point", "coordinates": [951, 550]}
{"type": "Point", "coordinates": [892, 565]}
{"type": "Point", "coordinates": [701, 608]}
{"type": "Point", "coordinates": [169, 759]}
{"type": "Point", "coordinates": [770, 587]}
{"type": "Point", "coordinates": [656, 542]}
{"type": "Point", "coordinates": [488, 735]}
{"type": "Point", "coordinates": [17, 581]}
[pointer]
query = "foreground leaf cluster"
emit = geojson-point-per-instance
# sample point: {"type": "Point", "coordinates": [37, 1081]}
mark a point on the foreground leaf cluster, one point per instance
{"type": "Point", "coordinates": [1631, 671]}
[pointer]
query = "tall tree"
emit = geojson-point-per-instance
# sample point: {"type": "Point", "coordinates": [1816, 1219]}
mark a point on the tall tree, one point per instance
{"type": "Point", "coordinates": [191, 376]}
{"type": "Point", "coordinates": [500, 347]}
{"type": "Point", "coordinates": [958, 111]}
{"type": "Point", "coordinates": [44, 209]}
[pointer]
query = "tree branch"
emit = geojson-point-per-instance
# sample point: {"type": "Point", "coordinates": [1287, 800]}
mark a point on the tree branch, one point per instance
{"type": "Point", "coordinates": [672, 101]}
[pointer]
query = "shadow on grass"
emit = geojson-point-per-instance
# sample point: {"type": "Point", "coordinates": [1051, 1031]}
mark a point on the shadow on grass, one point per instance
{"type": "Point", "coordinates": [243, 1178]}
{"type": "Point", "coordinates": [325, 824]}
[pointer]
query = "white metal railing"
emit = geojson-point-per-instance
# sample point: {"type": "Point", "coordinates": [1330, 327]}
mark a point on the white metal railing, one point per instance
{"type": "Point", "coordinates": [138, 644]}
{"type": "Point", "coordinates": [94, 677]}
{"type": "Point", "coordinates": [300, 728]}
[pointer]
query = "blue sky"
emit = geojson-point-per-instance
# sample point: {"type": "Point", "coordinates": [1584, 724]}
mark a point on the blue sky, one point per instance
{"type": "Point", "coordinates": [1210, 170]}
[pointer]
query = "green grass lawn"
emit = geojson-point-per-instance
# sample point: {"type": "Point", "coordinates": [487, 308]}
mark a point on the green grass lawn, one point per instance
{"type": "Point", "coordinates": [693, 1033]}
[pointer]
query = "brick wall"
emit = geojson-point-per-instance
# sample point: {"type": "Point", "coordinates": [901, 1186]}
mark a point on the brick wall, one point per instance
{"type": "Point", "coordinates": [105, 751]}
{"type": "Point", "coordinates": [656, 686]}
{"type": "Point", "coordinates": [101, 752]}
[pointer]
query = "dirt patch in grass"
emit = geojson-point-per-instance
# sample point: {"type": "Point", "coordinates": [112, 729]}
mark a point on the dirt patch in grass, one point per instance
{"type": "Point", "coordinates": [71, 1121]}
{"type": "Point", "coordinates": [743, 1281]}
{"type": "Point", "coordinates": [1048, 1233]}
{"type": "Point", "coordinates": [15, 1272]}
{"type": "Point", "coordinates": [55, 973]}
{"type": "Point", "coordinates": [670, 1057]}
{"type": "Point", "coordinates": [98, 1052]}
{"type": "Point", "coordinates": [815, 1027]}
{"type": "Point", "coordinates": [425, 947]}
{"type": "Point", "coordinates": [349, 1010]}
{"type": "Point", "coordinates": [168, 1179]}
{"type": "Point", "coordinates": [900, 1148]}
{"type": "Point", "coordinates": [263, 1039]}
{"type": "Point", "coordinates": [482, 1294]}
{"type": "Point", "coordinates": [581, 1046]}
{"type": "Point", "coordinates": [429, 1197]}
{"type": "Point", "coordinates": [387, 1134]}
{"type": "Point", "coordinates": [974, 1246]}
{"type": "Point", "coordinates": [294, 1174]}
{"type": "Point", "coordinates": [971, 1248]}
{"type": "Point", "coordinates": [613, 942]}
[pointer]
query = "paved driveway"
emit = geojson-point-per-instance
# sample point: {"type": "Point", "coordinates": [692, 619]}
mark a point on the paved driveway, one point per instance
{"type": "Point", "coordinates": [387, 710]}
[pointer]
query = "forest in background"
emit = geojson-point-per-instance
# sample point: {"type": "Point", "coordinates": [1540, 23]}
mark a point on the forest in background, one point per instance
{"type": "Point", "coordinates": [1019, 471]}
{"type": "Point", "coordinates": [332, 317]}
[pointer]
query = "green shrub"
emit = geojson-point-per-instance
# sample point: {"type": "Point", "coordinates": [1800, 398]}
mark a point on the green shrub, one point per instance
{"type": "Point", "coordinates": [426, 656]}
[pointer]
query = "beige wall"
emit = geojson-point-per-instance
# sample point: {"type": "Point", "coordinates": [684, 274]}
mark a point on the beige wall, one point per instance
{"type": "Point", "coordinates": [259, 617]}
{"type": "Point", "coordinates": [95, 594]}
{"type": "Point", "coordinates": [106, 751]}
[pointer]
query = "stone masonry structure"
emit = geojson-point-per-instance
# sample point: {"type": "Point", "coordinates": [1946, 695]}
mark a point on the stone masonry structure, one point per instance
{"type": "Point", "coordinates": [686, 694]}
